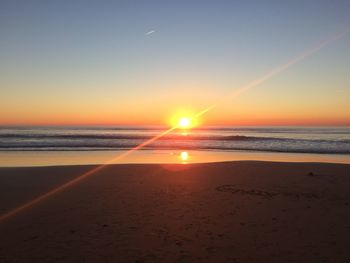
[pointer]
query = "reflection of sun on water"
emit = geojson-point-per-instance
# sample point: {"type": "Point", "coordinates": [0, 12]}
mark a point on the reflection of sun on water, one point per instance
{"type": "Point", "coordinates": [184, 157]}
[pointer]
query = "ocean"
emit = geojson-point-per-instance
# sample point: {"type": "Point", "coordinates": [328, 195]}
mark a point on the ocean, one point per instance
{"type": "Point", "coordinates": [307, 140]}
{"type": "Point", "coordinates": [272, 139]}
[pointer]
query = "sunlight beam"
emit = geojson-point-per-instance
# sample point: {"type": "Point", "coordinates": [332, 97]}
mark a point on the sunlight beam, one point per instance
{"type": "Point", "coordinates": [307, 53]}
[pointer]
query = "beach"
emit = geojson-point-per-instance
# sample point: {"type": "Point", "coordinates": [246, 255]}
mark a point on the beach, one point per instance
{"type": "Point", "coordinates": [175, 131]}
{"type": "Point", "coordinates": [242, 211]}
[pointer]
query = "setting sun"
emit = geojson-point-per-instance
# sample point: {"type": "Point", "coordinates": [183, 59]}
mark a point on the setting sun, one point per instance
{"type": "Point", "coordinates": [185, 122]}
{"type": "Point", "coordinates": [168, 122]}
{"type": "Point", "coordinates": [185, 119]}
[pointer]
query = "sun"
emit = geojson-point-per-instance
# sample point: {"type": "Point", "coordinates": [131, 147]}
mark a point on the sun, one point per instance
{"type": "Point", "coordinates": [184, 122]}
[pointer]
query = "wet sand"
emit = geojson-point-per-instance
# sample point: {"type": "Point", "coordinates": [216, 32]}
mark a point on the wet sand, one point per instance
{"type": "Point", "coordinates": [244, 211]}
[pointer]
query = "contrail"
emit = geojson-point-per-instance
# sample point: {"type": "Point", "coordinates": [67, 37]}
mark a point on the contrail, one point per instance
{"type": "Point", "coordinates": [150, 32]}
{"type": "Point", "coordinates": [307, 53]}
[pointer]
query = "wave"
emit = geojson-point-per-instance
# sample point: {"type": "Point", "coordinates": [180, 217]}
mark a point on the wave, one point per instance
{"type": "Point", "coordinates": [273, 146]}
{"type": "Point", "coordinates": [167, 137]}
{"type": "Point", "coordinates": [126, 136]}
{"type": "Point", "coordinates": [298, 140]}
{"type": "Point", "coordinates": [278, 150]}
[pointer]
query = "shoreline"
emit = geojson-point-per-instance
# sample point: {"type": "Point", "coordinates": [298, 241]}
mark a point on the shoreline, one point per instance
{"type": "Point", "coordinates": [111, 165]}
{"type": "Point", "coordinates": [241, 211]}
{"type": "Point", "coordinates": [56, 158]}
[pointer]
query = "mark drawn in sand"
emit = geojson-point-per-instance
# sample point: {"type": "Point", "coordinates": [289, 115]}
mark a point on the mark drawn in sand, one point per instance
{"type": "Point", "coordinates": [265, 194]}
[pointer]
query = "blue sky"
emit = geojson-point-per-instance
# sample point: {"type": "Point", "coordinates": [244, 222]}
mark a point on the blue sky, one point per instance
{"type": "Point", "coordinates": [59, 57]}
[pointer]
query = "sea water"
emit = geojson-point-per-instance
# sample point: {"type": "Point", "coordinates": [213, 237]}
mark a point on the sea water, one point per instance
{"type": "Point", "coordinates": [222, 141]}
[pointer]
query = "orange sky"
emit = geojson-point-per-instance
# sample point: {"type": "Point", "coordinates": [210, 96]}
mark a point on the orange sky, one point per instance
{"type": "Point", "coordinates": [95, 65]}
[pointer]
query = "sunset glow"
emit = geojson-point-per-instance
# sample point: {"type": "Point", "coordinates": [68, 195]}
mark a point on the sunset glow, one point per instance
{"type": "Point", "coordinates": [151, 73]}
{"type": "Point", "coordinates": [163, 122]}
{"type": "Point", "coordinates": [185, 122]}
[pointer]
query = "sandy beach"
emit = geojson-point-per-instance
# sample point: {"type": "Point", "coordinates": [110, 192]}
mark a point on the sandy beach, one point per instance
{"type": "Point", "coordinates": [243, 211]}
{"type": "Point", "coordinates": [221, 212]}
{"type": "Point", "coordinates": [175, 131]}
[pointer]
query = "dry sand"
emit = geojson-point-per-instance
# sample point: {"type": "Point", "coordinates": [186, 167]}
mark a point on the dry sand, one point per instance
{"type": "Point", "coordinates": [225, 212]}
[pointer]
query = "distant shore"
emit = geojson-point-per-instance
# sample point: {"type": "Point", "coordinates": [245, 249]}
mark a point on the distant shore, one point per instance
{"type": "Point", "coordinates": [242, 211]}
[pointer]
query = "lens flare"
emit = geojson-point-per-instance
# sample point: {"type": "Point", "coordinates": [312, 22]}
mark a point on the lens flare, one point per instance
{"type": "Point", "coordinates": [184, 123]}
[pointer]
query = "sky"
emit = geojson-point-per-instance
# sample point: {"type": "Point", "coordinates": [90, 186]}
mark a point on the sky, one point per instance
{"type": "Point", "coordinates": [142, 62]}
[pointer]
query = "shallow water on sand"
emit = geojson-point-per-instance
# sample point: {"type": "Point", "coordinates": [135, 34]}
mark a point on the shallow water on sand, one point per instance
{"type": "Point", "coordinates": [48, 158]}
